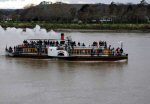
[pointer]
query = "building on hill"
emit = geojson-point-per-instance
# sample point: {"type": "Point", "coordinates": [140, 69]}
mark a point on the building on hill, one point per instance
{"type": "Point", "coordinates": [60, 3]}
{"type": "Point", "coordinates": [45, 3]}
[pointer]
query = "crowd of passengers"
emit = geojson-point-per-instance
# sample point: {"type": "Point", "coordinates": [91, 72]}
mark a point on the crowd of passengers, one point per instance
{"type": "Point", "coordinates": [44, 43]}
{"type": "Point", "coordinates": [101, 43]}
{"type": "Point", "coordinates": [32, 44]}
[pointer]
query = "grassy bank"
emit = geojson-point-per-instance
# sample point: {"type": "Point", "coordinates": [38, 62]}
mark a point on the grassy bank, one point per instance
{"type": "Point", "coordinates": [50, 26]}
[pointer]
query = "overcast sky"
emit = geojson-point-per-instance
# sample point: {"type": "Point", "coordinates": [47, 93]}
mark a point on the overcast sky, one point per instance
{"type": "Point", "coordinates": [14, 4]}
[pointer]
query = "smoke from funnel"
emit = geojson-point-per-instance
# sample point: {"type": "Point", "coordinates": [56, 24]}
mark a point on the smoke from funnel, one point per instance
{"type": "Point", "coordinates": [14, 36]}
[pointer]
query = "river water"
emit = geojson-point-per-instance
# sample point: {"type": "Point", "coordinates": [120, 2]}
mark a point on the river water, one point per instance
{"type": "Point", "coordinates": [34, 81]}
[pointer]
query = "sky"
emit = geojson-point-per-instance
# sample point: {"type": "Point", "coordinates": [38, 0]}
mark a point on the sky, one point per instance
{"type": "Point", "coordinates": [16, 4]}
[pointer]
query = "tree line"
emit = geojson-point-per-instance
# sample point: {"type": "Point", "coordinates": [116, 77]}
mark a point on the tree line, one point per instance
{"type": "Point", "coordinates": [85, 13]}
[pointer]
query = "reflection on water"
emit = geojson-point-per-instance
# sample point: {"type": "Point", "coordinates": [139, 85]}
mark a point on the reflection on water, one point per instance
{"type": "Point", "coordinates": [63, 65]}
{"type": "Point", "coordinates": [52, 80]}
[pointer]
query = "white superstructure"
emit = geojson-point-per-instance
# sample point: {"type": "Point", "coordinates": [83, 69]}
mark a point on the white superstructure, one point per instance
{"type": "Point", "coordinates": [54, 51]}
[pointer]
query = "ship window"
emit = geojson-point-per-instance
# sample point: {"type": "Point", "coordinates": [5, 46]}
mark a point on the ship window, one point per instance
{"type": "Point", "coordinates": [78, 52]}
{"type": "Point", "coordinates": [75, 51]}
{"type": "Point", "coordinates": [60, 48]}
{"type": "Point", "coordinates": [86, 51]}
{"type": "Point", "coordinates": [81, 51]}
{"type": "Point", "coordinates": [72, 51]}
{"type": "Point", "coordinates": [89, 51]}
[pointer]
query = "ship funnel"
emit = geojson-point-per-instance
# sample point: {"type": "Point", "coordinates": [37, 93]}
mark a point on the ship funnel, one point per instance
{"type": "Point", "coordinates": [62, 37]}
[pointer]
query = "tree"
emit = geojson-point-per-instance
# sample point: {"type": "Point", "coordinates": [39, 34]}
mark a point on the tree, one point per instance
{"type": "Point", "coordinates": [83, 13]}
{"type": "Point", "coordinates": [143, 2]}
{"type": "Point", "coordinates": [28, 6]}
{"type": "Point", "coordinates": [73, 12]}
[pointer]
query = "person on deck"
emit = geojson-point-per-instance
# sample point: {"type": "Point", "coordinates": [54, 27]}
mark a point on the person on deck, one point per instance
{"type": "Point", "coordinates": [121, 51]}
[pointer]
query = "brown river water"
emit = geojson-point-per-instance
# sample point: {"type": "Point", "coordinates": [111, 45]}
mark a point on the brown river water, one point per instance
{"type": "Point", "coordinates": [35, 81]}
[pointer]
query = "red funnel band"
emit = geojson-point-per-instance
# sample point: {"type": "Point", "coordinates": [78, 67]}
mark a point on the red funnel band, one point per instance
{"type": "Point", "coordinates": [62, 36]}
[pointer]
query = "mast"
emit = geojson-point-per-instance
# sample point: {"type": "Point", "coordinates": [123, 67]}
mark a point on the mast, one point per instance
{"type": "Point", "coordinates": [121, 44]}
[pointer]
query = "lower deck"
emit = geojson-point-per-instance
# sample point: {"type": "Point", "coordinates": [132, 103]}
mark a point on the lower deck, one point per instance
{"type": "Point", "coordinates": [71, 58]}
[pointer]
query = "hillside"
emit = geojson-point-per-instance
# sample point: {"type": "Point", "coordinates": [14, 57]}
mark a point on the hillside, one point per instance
{"type": "Point", "coordinates": [81, 13]}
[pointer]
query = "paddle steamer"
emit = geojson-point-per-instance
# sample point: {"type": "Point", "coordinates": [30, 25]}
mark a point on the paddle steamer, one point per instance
{"type": "Point", "coordinates": [66, 49]}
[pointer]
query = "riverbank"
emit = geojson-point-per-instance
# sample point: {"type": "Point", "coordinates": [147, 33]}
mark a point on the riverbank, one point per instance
{"type": "Point", "coordinates": [81, 27]}
{"type": "Point", "coordinates": [103, 31]}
